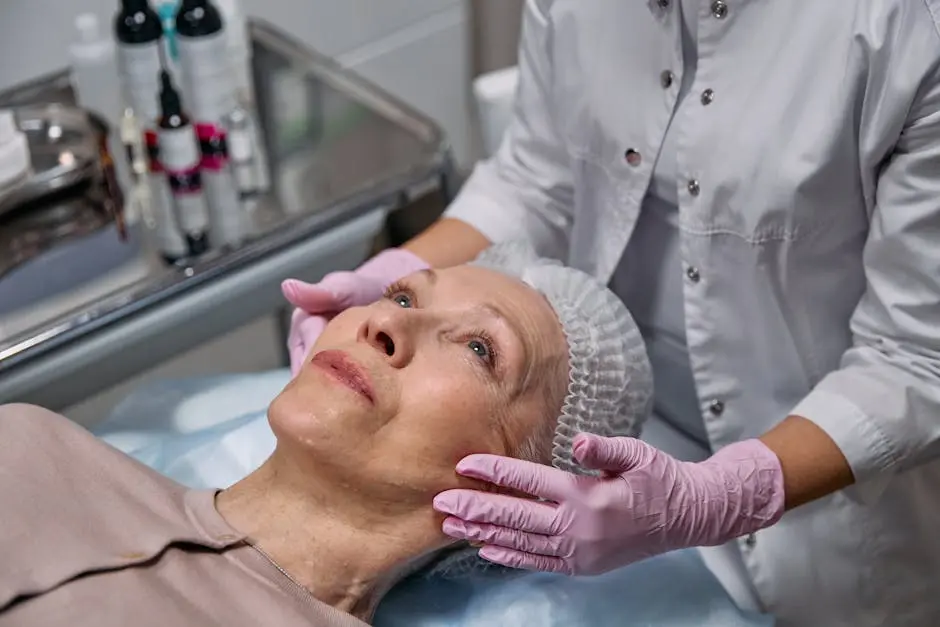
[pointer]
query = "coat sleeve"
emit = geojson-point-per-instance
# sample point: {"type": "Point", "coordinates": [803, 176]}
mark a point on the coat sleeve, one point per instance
{"type": "Point", "coordinates": [882, 406]}
{"type": "Point", "coordinates": [525, 190]}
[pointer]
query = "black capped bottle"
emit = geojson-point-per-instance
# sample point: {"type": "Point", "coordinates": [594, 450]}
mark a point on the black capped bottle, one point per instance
{"type": "Point", "coordinates": [209, 85]}
{"type": "Point", "coordinates": [180, 156]}
{"type": "Point", "coordinates": [139, 36]}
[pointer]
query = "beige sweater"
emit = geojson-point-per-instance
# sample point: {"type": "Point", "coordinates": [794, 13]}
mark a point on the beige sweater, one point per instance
{"type": "Point", "coordinates": [89, 536]}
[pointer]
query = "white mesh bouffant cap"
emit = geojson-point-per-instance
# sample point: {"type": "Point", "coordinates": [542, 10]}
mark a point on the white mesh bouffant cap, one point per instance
{"type": "Point", "coordinates": [610, 381]}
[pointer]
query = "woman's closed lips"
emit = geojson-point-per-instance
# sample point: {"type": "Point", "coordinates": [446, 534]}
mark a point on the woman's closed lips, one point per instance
{"type": "Point", "coordinates": [344, 369]}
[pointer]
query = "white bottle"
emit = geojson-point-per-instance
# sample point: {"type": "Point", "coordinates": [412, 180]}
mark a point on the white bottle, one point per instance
{"type": "Point", "coordinates": [236, 32]}
{"type": "Point", "coordinates": [94, 70]}
{"type": "Point", "coordinates": [14, 151]}
{"type": "Point", "coordinates": [139, 36]}
{"type": "Point", "coordinates": [139, 41]}
{"type": "Point", "coordinates": [210, 90]}
{"type": "Point", "coordinates": [240, 52]}
{"type": "Point", "coordinates": [206, 69]}
{"type": "Point", "coordinates": [241, 151]}
{"type": "Point", "coordinates": [94, 77]}
{"type": "Point", "coordinates": [157, 202]}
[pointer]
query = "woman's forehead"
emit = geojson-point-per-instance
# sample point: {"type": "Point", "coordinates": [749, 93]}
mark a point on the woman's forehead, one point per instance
{"type": "Point", "coordinates": [484, 281]}
{"type": "Point", "coordinates": [489, 288]}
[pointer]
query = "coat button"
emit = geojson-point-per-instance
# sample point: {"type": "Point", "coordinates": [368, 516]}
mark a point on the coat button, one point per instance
{"type": "Point", "coordinates": [719, 9]}
{"type": "Point", "coordinates": [716, 408]}
{"type": "Point", "coordinates": [665, 79]}
{"type": "Point", "coordinates": [693, 274]}
{"type": "Point", "coordinates": [663, 4]}
{"type": "Point", "coordinates": [708, 96]}
{"type": "Point", "coordinates": [694, 188]}
{"type": "Point", "coordinates": [633, 157]}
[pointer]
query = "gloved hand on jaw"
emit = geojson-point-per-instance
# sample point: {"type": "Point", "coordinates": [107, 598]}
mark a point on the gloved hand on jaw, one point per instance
{"type": "Point", "coordinates": [646, 503]}
{"type": "Point", "coordinates": [317, 303]}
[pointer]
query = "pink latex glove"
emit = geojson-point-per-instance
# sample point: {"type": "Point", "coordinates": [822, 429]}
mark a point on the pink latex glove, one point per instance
{"type": "Point", "coordinates": [317, 303]}
{"type": "Point", "coordinates": [646, 503]}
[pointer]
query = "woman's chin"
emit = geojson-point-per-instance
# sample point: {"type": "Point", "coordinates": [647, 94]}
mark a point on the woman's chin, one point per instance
{"type": "Point", "coordinates": [316, 417]}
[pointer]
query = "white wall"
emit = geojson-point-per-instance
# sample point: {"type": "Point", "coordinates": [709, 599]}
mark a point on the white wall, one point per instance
{"type": "Point", "coordinates": [496, 26]}
{"type": "Point", "coordinates": [417, 49]}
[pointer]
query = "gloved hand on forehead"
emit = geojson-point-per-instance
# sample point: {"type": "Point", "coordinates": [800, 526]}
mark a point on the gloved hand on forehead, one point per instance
{"type": "Point", "coordinates": [317, 303]}
{"type": "Point", "coordinates": [645, 503]}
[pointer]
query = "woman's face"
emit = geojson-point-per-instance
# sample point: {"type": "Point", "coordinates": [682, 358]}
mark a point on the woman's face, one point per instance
{"type": "Point", "coordinates": [452, 362]}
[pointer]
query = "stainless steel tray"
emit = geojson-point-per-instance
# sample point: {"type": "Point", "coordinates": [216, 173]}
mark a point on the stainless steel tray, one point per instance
{"type": "Point", "coordinates": [64, 145]}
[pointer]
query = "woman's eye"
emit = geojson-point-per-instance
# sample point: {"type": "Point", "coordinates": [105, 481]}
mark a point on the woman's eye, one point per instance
{"type": "Point", "coordinates": [479, 348]}
{"type": "Point", "coordinates": [402, 300]}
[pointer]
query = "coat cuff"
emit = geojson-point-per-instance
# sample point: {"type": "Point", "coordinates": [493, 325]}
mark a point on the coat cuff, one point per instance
{"type": "Point", "coordinates": [858, 435]}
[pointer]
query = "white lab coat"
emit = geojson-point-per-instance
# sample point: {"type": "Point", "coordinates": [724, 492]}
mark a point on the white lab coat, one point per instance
{"type": "Point", "coordinates": [809, 218]}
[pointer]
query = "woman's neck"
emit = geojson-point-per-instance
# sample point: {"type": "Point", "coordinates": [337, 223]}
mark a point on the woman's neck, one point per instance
{"type": "Point", "coordinates": [345, 551]}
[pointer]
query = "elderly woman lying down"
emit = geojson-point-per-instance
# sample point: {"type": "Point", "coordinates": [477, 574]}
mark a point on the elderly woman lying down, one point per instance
{"type": "Point", "coordinates": [462, 360]}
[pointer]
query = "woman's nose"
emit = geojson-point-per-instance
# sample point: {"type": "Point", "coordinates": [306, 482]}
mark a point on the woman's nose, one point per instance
{"type": "Point", "coordinates": [391, 331]}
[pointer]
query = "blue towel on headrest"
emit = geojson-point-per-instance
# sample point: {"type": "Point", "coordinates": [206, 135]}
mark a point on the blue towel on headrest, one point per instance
{"type": "Point", "coordinates": [670, 590]}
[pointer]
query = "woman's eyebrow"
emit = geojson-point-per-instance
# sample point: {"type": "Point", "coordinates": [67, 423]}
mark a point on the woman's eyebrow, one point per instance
{"type": "Point", "coordinates": [522, 338]}
{"type": "Point", "coordinates": [429, 275]}
{"type": "Point", "coordinates": [495, 312]}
